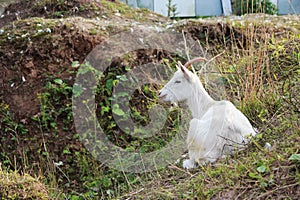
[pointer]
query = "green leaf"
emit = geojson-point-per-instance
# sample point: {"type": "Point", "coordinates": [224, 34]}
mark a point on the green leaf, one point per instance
{"type": "Point", "coordinates": [58, 81]}
{"type": "Point", "coordinates": [261, 168]}
{"type": "Point", "coordinates": [146, 89]}
{"type": "Point", "coordinates": [127, 68]}
{"type": "Point", "coordinates": [117, 110]}
{"type": "Point", "coordinates": [104, 109]}
{"type": "Point", "coordinates": [122, 77]}
{"type": "Point", "coordinates": [74, 197]}
{"type": "Point", "coordinates": [231, 68]}
{"type": "Point", "coordinates": [106, 182]}
{"type": "Point", "coordinates": [77, 90]}
{"type": "Point", "coordinates": [294, 157]}
{"type": "Point", "coordinates": [66, 151]}
{"type": "Point", "coordinates": [75, 64]}
{"type": "Point", "coordinates": [122, 94]}
{"type": "Point", "coordinates": [109, 84]}
{"type": "Point", "coordinates": [53, 124]}
{"type": "Point", "coordinates": [252, 175]}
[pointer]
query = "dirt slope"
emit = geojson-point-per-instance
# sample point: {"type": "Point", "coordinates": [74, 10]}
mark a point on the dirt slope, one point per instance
{"type": "Point", "coordinates": [39, 41]}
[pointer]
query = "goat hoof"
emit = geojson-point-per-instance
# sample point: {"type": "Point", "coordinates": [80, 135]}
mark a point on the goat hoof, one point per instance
{"type": "Point", "coordinates": [189, 164]}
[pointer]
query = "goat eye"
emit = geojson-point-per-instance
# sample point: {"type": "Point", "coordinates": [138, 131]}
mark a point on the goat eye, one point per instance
{"type": "Point", "coordinates": [177, 81]}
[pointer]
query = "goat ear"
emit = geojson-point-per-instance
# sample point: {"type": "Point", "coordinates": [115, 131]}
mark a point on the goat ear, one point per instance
{"type": "Point", "coordinates": [179, 65]}
{"type": "Point", "coordinates": [182, 68]}
{"type": "Point", "coordinates": [185, 72]}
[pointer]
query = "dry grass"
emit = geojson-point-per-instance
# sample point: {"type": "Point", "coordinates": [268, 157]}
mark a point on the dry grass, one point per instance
{"type": "Point", "coordinates": [16, 186]}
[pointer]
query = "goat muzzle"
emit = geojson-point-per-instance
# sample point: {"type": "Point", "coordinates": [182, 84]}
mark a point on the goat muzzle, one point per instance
{"type": "Point", "coordinates": [161, 96]}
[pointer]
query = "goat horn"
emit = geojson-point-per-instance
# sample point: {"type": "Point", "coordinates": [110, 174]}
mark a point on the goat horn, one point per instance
{"type": "Point", "coordinates": [179, 63]}
{"type": "Point", "coordinates": [188, 64]}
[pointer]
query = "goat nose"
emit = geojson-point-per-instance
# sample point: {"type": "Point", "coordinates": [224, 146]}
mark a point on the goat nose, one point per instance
{"type": "Point", "coordinates": [159, 93]}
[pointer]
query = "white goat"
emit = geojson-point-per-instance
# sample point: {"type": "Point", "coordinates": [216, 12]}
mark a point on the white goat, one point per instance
{"type": "Point", "coordinates": [217, 127]}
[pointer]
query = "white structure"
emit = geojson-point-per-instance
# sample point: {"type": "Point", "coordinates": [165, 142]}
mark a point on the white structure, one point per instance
{"type": "Point", "coordinates": [217, 128]}
{"type": "Point", "coordinates": [185, 8]}
{"type": "Point", "coordinates": [193, 8]}
{"type": "Point", "coordinates": [288, 6]}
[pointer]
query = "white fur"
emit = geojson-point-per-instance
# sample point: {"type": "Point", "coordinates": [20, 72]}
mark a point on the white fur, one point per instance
{"type": "Point", "coordinates": [217, 128]}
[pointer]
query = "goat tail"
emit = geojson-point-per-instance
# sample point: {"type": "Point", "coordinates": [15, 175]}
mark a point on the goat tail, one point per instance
{"type": "Point", "coordinates": [188, 64]}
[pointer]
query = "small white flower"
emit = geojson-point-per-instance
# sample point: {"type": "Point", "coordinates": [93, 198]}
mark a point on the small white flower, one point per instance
{"type": "Point", "coordinates": [48, 30]}
{"type": "Point", "coordinates": [25, 35]}
{"type": "Point", "coordinates": [57, 164]}
{"type": "Point", "coordinates": [177, 161]}
{"type": "Point", "coordinates": [268, 146]}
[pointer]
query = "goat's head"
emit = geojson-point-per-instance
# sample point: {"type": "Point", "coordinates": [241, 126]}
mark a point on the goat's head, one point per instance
{"type": "Point", "coordinates": [180, 87]}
